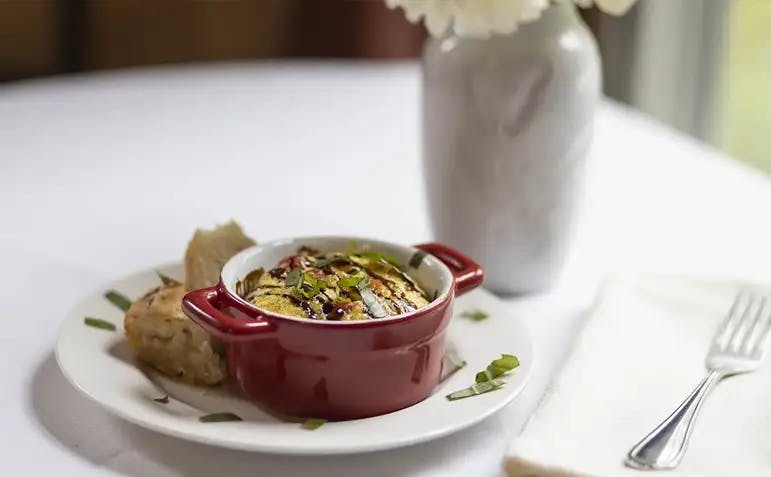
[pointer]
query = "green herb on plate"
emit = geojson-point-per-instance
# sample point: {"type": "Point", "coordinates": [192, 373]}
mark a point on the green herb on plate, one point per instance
{"type": "Point", "coordinates": [97, 323]}
{"type": "Point", "coordinates": [118, 299]}
{"type": "Point", "coordinates": [220, 417]}
{"type": "Point", "coordinates": [499, 367]}
{"type": "Point", "coordinates": [162, 399]}
{"type": "Point", "coordinates": [475, 315]}
{"type": "Point", "coordinates": [313, 424]}
{"type": "Point", "coordinates": [417, 258]}
{"type": "Point", "coordinates": [487, 380]}
{"type": "Point", "coordinates": [167, 280]}
{"type": "Point", "coordinates": [476, 389]}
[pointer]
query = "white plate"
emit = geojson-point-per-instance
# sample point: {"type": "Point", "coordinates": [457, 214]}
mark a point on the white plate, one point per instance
{"type": "Point", "coordinates": [99, 364]}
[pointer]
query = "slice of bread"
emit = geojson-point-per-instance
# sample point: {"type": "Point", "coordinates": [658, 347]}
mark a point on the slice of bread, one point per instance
{"type": "Point", "coordinates": [162, 336]}
{"type": "Point", "coordinates": [208, 251]}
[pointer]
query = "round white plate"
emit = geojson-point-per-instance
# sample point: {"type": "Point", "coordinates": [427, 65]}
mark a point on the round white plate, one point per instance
{"type": "Point", "coordinates": [99, 364]}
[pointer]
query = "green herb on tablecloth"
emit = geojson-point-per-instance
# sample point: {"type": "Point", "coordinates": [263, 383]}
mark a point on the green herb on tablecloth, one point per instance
{"type": "Point", "coordinates": [118, 299]}
{"type": "Point", "coordinates": [98, 323]}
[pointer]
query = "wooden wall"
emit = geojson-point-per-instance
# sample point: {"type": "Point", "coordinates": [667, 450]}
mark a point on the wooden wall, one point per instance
{"type": "Point", "coordinates": [41, 37]}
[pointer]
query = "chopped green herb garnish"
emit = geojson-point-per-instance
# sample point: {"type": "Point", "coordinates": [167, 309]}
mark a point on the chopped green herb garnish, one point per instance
{"type": "Point", "coordinates": [333, 258]}
{"type": "Point", "coordinates": [486, 380]}
{"type": "Point", "coordinates": [162, 399]}
{"type": "Point", "coordinates": [313, 424]}
{"type": "Point", "coordinates": [349, 282]}
{"type": "Point", "coordinates": [370, 299]}
{"type": "Point", "coordinates": [294, 277]}
{"type": "Point", "coordinates": [220, 417]}
{"type": "Point", "coordinates": [499, 367]}
{"type": "Point", "coordinates": [97, 323]}
{"type": "Point", "coordinates": [167, 280]}
{"type": "Point", "coordinates": [381, 257]}
{"type": "Point", "coordinates": [417, 258]}
{"type": "Point", "coordinates": [118, 300]}
{"type": "Point", "coordinates": [476, 314]}
{"type": "Point", "coordinates": [476, 389]}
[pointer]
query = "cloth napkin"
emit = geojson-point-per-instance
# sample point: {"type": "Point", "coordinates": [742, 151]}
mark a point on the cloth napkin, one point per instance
{"type": "Point", "coordinates": [640, 353]}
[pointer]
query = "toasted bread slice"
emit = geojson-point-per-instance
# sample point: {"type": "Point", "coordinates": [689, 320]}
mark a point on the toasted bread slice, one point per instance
{"type": "Point", "coordinates": [162, 336]}
{"type": "Point", "coordinates": [208, 251]}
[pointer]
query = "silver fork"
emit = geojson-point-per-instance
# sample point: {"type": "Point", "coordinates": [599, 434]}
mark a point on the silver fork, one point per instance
{"type": "Point", "coordinates": [738, 347]}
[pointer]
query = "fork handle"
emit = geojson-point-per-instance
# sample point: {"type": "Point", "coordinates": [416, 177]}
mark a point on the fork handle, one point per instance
{"type": "Point", "coordinates": [664, 447]}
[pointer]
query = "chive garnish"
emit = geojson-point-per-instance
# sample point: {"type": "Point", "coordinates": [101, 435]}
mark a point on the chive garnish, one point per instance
{"type": "Point", "coordinates": [498, 367]}
{"type": "Point", "coordinates": [377, 256]}
{"type": "Point", "coordinates": [167, 280]}
{"type": "Point", "coordinates": [220, 417]}
{"type": "Point", "coordinates": [486, 380]}
{"type": "Point", "coordinates": [476, 389]}
{"type": "Point", "coordinates": [417, 258]}
{"type": "Point", "coordinates": [313, 424]}
{"type": "Point", "coordinates": [370, 299]}
{"type": "Point", "coordinates": [293, 277]}
{"type": "Point", "coordinates": [98, 323]}
{"type": "Point", "coordinates": [118, 299]}
{"type": "Point", "coordinates": [475, 314]}
{"type": "Point", "coordinates": [162, 399]}
{"type": "Point", "coordinates": [348, 282]}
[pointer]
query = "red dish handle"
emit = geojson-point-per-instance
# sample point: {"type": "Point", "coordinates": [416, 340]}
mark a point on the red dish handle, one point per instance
{"type": "Point", "coordinates": [468, 274]}
{"type": "Point", "coordinates": [204, 307]}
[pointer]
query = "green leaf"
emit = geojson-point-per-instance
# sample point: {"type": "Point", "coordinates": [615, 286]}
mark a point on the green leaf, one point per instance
{"type": "Point", "coordinates": [220, 417]}
{"type": "Point", "coordinates": [381, 257]}
{"type": "Point", "coordinates": [476, 389]}
{"type": "Point", "coordinates": [330, 259]}
{"type": "Point", "coordinates": [162, 399]}
{"type": "Point", "coordinates": [348, 282]}
{"type": "Point", "coordinates": [97, 323]}
{"type": "Point", "coordinates": [417, 258]}
{"type": "Point", "coordinates": [118, 300]}
{"type": "Point", "coordinates": [476, 315]}
{"type": "Point", "coordinates": [167, 280]}
{"type": "Point", "coordinates": [370, 299]}
{"type": "Point", "coordinates": [294, 277]}
{"type": "Point", "coordinates": [313, 424]}
{"type": "Point", "coordinates": [497, 368]}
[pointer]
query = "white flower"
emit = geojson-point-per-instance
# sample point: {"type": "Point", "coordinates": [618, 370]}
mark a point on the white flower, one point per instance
{"type": "Point", "coordinates": [481, 18]}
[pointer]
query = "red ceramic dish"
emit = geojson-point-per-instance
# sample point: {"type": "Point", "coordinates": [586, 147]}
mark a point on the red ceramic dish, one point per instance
{"type": "Point", "coordinates": [334, 369]}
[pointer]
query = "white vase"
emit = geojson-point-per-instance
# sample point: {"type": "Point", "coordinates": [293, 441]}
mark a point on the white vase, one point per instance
{"type": "Point", "coordinates": [507, 122]}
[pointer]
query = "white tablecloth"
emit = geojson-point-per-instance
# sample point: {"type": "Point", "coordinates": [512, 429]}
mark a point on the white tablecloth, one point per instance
{"type": "Point", "coordinates": [107, 174]}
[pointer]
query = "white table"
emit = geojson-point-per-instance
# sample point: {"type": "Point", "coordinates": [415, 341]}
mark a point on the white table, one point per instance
{"type": "Point", "coordinates": [108, 174]}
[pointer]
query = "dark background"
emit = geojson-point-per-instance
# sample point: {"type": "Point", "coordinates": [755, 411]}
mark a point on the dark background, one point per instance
{"type": "Point", "coordinates": [47, 37]}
